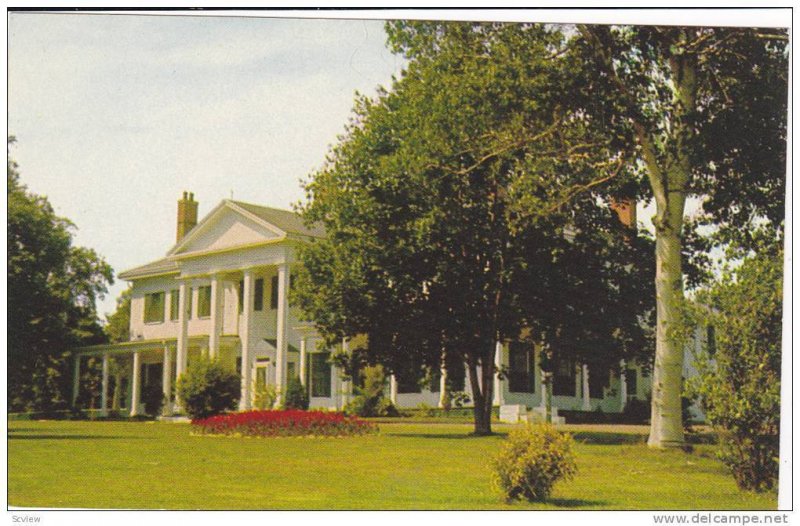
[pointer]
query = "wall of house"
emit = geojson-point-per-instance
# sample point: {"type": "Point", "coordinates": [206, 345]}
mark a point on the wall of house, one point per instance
{"type": "Point", "coordinates": [141, 330]}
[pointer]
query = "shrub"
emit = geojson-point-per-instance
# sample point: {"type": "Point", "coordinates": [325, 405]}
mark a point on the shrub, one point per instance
{"type": "Point", "coordinates": [370, 400]}
{"type": "Point", "coordinates": [425, 410]}
{"type": "Point", "coordinates": [153, 398]}
{"type": "Point", "coordinates": [283, 423]}
{"type": "Point", "coordinates": [457, 399]}
{"type": "Point", "coordinates": [264, 397]}
{"type": "Point", "coordinates": [532, 460]}
{"type": "Point", "coordinates": [296, 395]}
{"type": "Point", "coordinates": [208, 388]}
{"type": "Point", "coordinates": [739, 380]}
{"type": "Point", "coordinates": [637, 411]}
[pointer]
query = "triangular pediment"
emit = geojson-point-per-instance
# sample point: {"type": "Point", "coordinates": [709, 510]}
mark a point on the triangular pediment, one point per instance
{"type": "Point", "coordinates": [224, 228]}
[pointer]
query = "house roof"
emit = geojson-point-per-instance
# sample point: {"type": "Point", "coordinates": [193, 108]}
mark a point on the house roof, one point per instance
{"type": "Point", "coordinates": [288, 221]}
{"type": "Point", "coordinates": [283, 222]}
{"type": "Point", "coordinates": [155, 268]}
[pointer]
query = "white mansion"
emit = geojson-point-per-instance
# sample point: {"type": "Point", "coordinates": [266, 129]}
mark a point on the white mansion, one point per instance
{"type": "Point", "coordinates": [222, 290]}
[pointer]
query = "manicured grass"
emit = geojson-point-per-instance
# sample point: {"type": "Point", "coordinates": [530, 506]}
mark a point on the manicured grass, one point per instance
{"type": "Point", "coordinates": [407, 466]}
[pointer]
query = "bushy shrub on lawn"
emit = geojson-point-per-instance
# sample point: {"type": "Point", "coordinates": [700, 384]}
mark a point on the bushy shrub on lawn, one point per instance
{"type": "Point", "coordinates": [739, 381]}
{"type": "Point", "coordinates": [532, 460]}
{"type": "Point", "coordinates": [208, 388]}
{"type": "Point", "coordinates": [296, 395]}
{"type": "Point", "coordinates": [153, 399]}
{"type": "Point", "coordinates": [370, 400]}
{"type": "Point", "coordinates": [283, 423]}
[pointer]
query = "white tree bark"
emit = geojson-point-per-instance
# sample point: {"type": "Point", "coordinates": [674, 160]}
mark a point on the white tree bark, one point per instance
{"type": "Point", "coordinates": [669, 182]}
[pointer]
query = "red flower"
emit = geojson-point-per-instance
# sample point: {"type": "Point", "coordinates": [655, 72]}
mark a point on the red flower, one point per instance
{"type": "Point", "coordinates": [291, 422]}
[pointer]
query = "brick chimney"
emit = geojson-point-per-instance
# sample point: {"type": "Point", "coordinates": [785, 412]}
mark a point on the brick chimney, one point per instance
{"type": "Point", "coordinates": [187, 215]}
{"type": "Point", "coordinates": [626, 211]}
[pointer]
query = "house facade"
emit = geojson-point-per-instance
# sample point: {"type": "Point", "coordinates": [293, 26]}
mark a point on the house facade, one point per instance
{"type": "Point", "coordinates": [223, 291]}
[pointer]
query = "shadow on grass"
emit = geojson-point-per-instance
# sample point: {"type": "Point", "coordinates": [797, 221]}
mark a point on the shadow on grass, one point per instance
{"type": "Point", "coordinates": [441, 436]}
{"type": "Point", "coordinates": [609, 438]}
{"type": "Point", "coordinates": [72, 437]}
{"type": "Point", "coordinates": [576, 503]}
{"type": "Point", "coordinates": [605, 438]}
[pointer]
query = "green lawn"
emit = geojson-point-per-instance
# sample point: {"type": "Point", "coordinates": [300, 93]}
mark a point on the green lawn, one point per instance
{"type": "Point", "coordinates": [406, 466]}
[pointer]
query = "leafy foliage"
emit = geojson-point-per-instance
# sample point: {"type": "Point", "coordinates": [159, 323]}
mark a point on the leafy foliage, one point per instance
{"type": "Point", "coordinates": [118, 325]}
{"type": "Point", "coordinates": [532, 460]}
{"type": "Point", "coordinates": [208, 388]}
{"type": "Point", "coordinates": [705, 112]}
{"type": "Point", "coordinates": [739, 381]}
{"type": "Point", "coordinates": [52, 288]}
{"type": "Point", "coordinates": [370, 399]}
{"type": "Point", "coordinates": [153, 398]}
{"type": "Point", "coordinates": [296, 396]}
{"type": "Point", "coordinates": [264, 396]}
{"type": "Point", "coordinates": [443, 209]}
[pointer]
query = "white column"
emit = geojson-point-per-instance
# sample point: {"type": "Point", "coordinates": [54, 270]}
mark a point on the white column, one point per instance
{"type": "Point", "coordinates": [623, 386]}
{"type": "Point", "coordinates": [245, 402]}
{"type": "Point", "coordinates": [442, 387]}
{"type": "Point", "coordinates": [543, 384]}
{"type": "Point", "coordinates": [136, 384]}
{"type": "Point", "coordinates": [281, 331]}
{"type": "Point", "coordinates": [303, 359]}
{"type": "Point", "coordinates": [216, 317]}
{"type": "Point", "coordinates": [498, 383]}
{"type": "Point", "coordinates": [347, 385]}
{"type": "Point", "coordinates": [104, 387]}
{"type": "Point", "coordinates": [336, 387]}
{"type": "Point", "coordinates": [166, 381]}
{"type": "Point", "coordinates": [182, 347]}
{"type": "Point", "coordinates": [76, 379]}
{"type": "Point", "coordinates": [393, 390]}
{"type": "Point", "coordinates": [587, 403]}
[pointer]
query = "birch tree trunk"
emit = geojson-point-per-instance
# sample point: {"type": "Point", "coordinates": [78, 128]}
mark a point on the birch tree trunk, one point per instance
{"type": "Point", "coordinates": [666, 426]}
{"type": "Point", "coordinates": [669, 181]}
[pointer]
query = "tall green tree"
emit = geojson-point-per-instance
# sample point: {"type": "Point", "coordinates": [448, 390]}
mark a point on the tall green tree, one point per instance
{"type": "Point", "coordinates": [690, 111]}
{"type": "Point", "coordinates": [52, 288]}
{"type": "Point", "coordinates": [706, 111]}
{"type": "Point", "coordinates": [431, 247]}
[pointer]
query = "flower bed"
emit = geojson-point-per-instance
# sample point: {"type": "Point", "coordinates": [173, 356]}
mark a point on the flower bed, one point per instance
{"type": "Point", "coordinates": [283, 424]}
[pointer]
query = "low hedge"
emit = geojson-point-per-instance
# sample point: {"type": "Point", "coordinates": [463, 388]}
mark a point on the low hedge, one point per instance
{"type": "Point", "coordinates": [284, 423]}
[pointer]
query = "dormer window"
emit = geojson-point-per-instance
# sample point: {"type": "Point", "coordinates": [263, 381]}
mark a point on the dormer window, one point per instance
{"type": "Point", "coordinates": [154, 307]}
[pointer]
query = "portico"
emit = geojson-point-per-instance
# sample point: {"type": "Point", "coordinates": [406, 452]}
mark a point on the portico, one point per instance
{"type": "Point", "coordinates": [222, 290]}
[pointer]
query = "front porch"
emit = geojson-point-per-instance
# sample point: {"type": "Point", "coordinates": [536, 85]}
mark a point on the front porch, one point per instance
{"type": "Point", "coordinates": [132, 374]}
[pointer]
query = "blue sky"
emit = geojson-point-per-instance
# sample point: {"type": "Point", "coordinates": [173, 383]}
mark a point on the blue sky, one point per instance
{"type": "Point", "coordinates": [116, 115]}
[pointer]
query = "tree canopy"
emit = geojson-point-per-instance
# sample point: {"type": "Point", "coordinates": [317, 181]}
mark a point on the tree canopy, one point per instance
{"type": "Point", "coordinates": [434, 249]}
{"type": "Point", "coordinates": [52, 288]}
{"type": "Point", "coordinates": [705, 109]}
{"type": "Point", "coordinates": [118, 324]}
